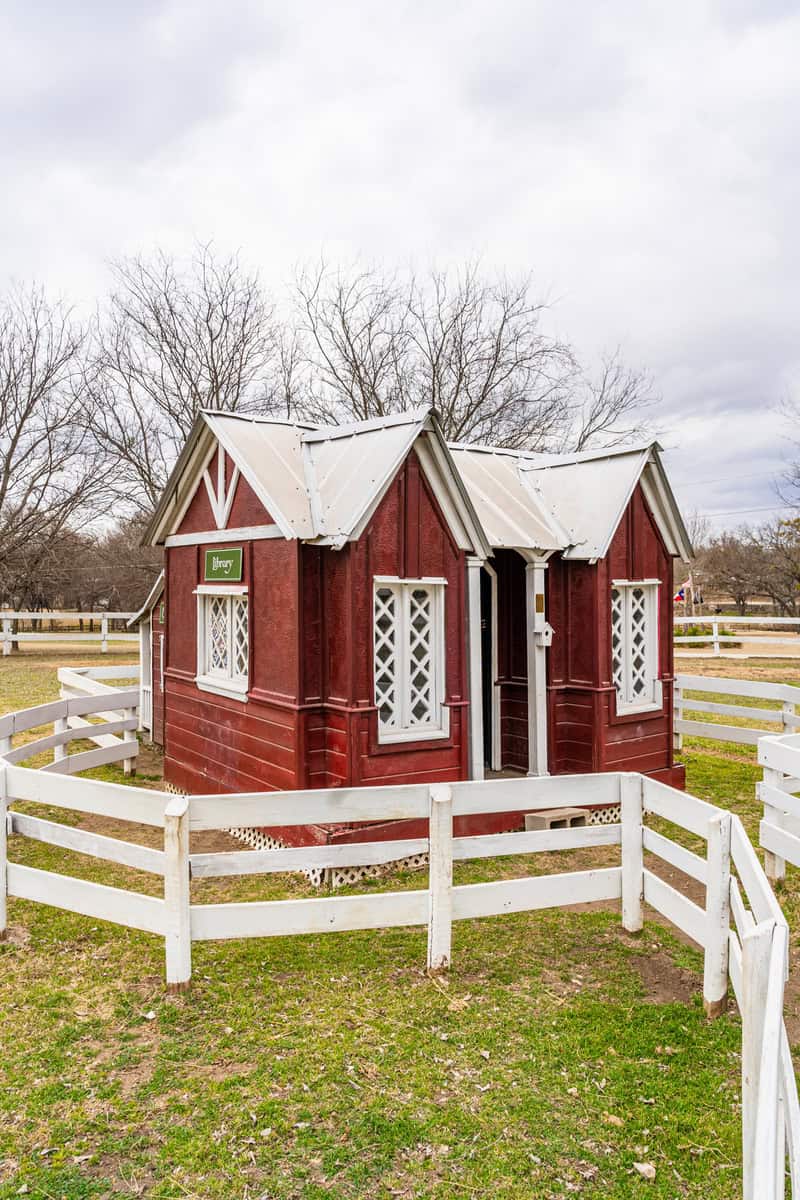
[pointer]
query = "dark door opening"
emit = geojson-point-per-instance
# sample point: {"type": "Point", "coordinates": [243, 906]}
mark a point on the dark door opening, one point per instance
{"type": "Point", "coordinates": [487, 674]}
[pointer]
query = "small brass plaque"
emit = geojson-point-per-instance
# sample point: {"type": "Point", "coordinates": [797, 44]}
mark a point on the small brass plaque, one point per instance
{"type": "Point", "coordinates": [540, 602]}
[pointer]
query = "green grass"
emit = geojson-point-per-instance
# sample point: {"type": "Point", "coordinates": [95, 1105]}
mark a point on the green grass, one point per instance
{"type": "Point", "coordinates": [558, 1053]}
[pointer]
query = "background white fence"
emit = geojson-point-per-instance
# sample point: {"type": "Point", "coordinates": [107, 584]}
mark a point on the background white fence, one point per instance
{"type": "Point", "coordinates": [717, 640]}
{"type": "Point", "coordinates": [740, 928]}
{"type": "Point", "coordinates": [782, 693]}
{"type": "Point", "coordinates": [104, 634]}
{"type": "Point", "coordinates": [112, 731]}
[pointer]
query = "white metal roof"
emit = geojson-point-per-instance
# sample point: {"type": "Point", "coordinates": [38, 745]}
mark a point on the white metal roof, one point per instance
{"type": "Point", "coordinates": [322, 484]}
{"type": "Point", "coordinates": [510, 510]}
{"type": "Point", "coordinates": [568, 502]}
{"type": "Point", "coordinates": [588, 494]}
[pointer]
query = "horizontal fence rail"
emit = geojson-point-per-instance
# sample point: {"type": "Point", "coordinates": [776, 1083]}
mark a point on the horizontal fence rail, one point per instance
{"type": "Point", "coordinates": [739, 925]}
{"type": "Point", "coordinates": [783, 719]}
{"type": "Point", "coordinates": [717, 639]}
{"type": "Point", "coordinates": [11, 634]}
{"type": "Point", "coordinates": [113, 729]}
{"type": "Point", "coordinates": [779, 793]}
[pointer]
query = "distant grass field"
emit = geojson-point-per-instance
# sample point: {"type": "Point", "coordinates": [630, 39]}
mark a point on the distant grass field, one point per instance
{"type": "Point", "coordinates": [559, 1052]}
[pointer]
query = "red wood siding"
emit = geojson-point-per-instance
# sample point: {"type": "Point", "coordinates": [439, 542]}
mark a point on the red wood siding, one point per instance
{"type": "Point", "coordinates": [213, 743]}
{"type": "Point", "coordinates": [309, 720]}
{"type": "Point", "coordinates": [407, 537]}
{"type": "Point", "coordinates": [512, 667]}
{"type": "Point", "coordinates": [585, 734]}
{"type": "Point", "coordinates": [640, 742]}
{"type": "Point", "coordinates": [246, 510]}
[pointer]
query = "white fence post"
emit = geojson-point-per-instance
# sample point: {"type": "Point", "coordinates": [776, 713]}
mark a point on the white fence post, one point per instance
{"type": "Point", "coordinates": [756, 953]}
{"type": "Point", "coordinates": [631, 788]}
{"type": "Point", "coordinates": [60, 725]}
{"type": "Point", "coordinates": [129, 764]}
{"type": "Point", "coordinates": [7, 626]}
{"type": "Point", "coordinates": [677, 715]}
{"type": "Point", "coordinates": [177, 900]}
{"type": "Point", "coordinates": [787, 712]}
{"type": "Point", "coordinates": [3, 855]}
{"type": "Point", "coordinates": [774, 865]}
{"type": "Point", "coordinates": [440, 885]}
{"type": "Point", "coordinates": [715, 636]}
{"type": "Point", "coordinates": [104, 634]}
{"type": "Point", "coordinates": [718, 916]}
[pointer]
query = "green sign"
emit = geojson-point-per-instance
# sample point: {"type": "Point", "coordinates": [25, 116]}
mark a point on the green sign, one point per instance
{"type": "Point", "coordinates": [223, 564]}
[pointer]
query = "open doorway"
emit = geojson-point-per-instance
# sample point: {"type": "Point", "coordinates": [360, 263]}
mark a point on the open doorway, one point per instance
{"type": "Point", "coordinates": [490, 693]}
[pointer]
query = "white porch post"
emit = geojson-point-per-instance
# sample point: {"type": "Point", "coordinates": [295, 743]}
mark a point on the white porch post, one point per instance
{"type": "Point", "coordinates": [536, 629]}
{"type": "Point", "coordinates": [475, 673]}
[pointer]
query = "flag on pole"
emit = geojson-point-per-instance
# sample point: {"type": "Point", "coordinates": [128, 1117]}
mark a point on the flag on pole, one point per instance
{"type": "Point", "coordinates": [680, 595]}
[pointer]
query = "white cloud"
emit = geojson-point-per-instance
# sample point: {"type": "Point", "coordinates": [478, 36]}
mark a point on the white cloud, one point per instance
{"type": "Point", "coordinates": [639, 159]}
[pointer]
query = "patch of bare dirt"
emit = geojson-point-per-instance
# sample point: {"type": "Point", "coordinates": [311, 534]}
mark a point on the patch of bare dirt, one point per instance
{"type": "Point", "coordinates": [209, 842]}
{"type": "Point", "coordinates": [663, 981]}
{"type": "Point", "coordinates": [150, 761]}
{"type": "Point", "coordinates": [17, 935]}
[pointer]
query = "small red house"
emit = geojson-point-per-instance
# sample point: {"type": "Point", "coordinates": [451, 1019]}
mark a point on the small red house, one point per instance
{"type": "Point", "coordinates": [363, 604]}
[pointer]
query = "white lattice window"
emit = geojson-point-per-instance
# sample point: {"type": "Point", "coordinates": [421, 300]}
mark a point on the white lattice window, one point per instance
{"type": "Point", "coordinates": [223, 644]}
{"type": "Point", "coordinates": [408, 658]}
{"type": "Point", "coordinates": [634, 645]}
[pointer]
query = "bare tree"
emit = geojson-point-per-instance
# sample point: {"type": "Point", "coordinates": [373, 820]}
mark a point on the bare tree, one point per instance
{"type": "Point", "coordinates": [735, 564]}
{"type": "Point", "coordinates": [780, 575]}
{"type": "Point", "coordinates": [50, 476]}
{"type": "Point", "coordinates": [614, 405]}
{"type": "Point", "coordinates": [471, 346]}
{"type": "Point", "coordinates": [175, 339]}
{"type": "Point", "coordinates": [356, 343]}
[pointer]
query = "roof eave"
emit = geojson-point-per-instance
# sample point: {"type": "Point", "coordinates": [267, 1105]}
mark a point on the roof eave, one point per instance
{"type": "Point", "coordinates": [153, 534]}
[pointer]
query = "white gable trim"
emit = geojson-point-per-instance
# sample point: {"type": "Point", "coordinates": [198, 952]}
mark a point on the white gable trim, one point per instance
{"type": "Point", "coordinates": [176, 518]}
{"type": "Point", "coordinates": [658, 495]}
{"type": "Point", "coordinates": [220, 497]}
{"type": "Point", "coordinates": [211, 537]}
{"type": "Point", "coordinates": [448, 488]}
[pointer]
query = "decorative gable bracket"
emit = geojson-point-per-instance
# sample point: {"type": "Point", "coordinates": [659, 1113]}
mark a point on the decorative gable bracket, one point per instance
{"type": "Point", "coordinates": [220, 497]}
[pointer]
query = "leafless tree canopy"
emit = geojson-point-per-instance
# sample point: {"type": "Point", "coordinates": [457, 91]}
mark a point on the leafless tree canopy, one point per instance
{"type": "Point", "coordinates": [170, 342]}
{"type": "Point", "coordinates": [49, 473]}
{"type": "Point", "coordinates": [474, 348]}
{"type": "Point", "coordinates": [102, 416]}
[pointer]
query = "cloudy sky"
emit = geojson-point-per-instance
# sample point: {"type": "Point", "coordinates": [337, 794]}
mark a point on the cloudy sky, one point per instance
{"type": "Point", "coordinates": [641, 159]}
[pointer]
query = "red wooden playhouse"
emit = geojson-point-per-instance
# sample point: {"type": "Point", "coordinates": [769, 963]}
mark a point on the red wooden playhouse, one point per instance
{"type": "Point", "coordinates": [365, 604]}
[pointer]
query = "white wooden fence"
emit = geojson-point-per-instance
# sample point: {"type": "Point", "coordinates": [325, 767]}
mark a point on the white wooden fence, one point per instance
{"type": "Point", "coordinates": [103, 634]}
{"type": "Point", "coordinates": [740, 928]}
{"type": "Point", "coordinates": [113, 734]}
{"type": "Point", "coordinates": [783, 693]}
{"type": "Point", "coordinates": [778, 790]}
{"type": "Point", "coordinates": [718, 640]}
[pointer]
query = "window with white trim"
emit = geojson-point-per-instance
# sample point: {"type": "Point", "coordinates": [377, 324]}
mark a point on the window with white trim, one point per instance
{"type": "Point", "coordinates": [408, 659]}
{"type": "Point", "coordinates": [223, 645]}
{"type": "Point", "coordinates": [634, 644]}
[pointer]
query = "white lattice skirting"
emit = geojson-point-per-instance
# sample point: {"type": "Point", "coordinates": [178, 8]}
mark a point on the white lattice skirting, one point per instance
{"type": "Point", "coordinates": [336, 877]}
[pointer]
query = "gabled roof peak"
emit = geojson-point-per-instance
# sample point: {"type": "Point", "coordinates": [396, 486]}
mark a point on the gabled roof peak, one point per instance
{"type": "Point", "coordinates": [320, 483]}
